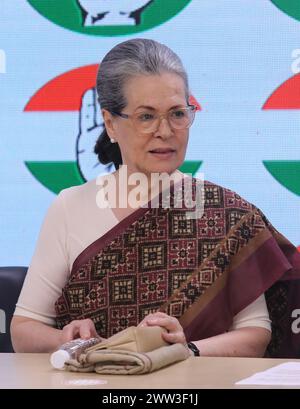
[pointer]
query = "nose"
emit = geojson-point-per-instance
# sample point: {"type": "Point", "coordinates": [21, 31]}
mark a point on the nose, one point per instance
{"type": "Point", "coordinates": [164, 130]}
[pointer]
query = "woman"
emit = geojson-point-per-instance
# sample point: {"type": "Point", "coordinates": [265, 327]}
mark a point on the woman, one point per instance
{"type": "Point", "coordinates": [101, 268]}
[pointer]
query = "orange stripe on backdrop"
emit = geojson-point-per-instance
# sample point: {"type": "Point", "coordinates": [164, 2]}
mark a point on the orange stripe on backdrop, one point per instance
{"type": "Point", "coordinates": [64, 92]}
{"type": "Point", "coordinates": [286, 96]}
{"type": "Point", "coordinates": [193, 101]}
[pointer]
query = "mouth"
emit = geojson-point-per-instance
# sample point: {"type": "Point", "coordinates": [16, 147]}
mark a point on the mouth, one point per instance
{"type": "Point", "coordinates": [162, 152]}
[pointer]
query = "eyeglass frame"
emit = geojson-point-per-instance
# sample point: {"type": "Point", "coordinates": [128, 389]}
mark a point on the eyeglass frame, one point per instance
{"type": "Point", "coordinates": [129, 116]}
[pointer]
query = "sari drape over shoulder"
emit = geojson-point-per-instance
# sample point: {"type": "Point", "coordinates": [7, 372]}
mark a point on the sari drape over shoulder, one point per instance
{"type": "Point", "coordinates": [202, 271]}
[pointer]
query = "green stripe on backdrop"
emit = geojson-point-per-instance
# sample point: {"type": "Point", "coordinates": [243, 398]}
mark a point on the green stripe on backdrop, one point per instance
{"type": "Point", "coordinates": [286, 172]}
{"type": "Point", "coordinates": [58, 175]}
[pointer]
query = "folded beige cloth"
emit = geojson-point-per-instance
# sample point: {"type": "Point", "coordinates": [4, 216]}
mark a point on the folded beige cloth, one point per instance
{"type": "Point", "coordinates": [136, 350]}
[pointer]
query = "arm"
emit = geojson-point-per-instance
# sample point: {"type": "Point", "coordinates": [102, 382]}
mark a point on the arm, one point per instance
{"type": "Point", "coordinates": [32, 325]}
{"type": "Point", "coordinates": [248, 336]}
{"type": "Point", "coordinates": [29, 335]}
{"type": "Point", "coordinates": [242, 342]}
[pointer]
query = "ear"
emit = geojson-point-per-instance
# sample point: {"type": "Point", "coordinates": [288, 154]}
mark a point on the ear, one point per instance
{"type": "Point", "coordinates": [109, 122]}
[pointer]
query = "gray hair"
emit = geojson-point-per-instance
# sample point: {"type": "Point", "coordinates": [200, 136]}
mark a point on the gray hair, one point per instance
{"type": "Point", "coordinates": [124, 61]}
{"type": "Point", "coordinates": [128, 59]}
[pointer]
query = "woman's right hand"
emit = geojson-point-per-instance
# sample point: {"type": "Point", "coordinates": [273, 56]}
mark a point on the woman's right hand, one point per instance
{"type": "Point", "coordinates": [78, 329]}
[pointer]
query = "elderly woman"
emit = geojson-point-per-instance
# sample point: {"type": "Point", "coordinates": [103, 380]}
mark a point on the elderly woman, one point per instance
{"type": "Point", "coordinates": [102, 268]}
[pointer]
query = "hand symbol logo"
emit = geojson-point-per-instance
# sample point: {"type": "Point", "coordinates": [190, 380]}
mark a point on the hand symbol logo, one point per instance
{"type": "Point", "coordinates": [112, 12]}
{"type": "Point", "coordinates": [90, 128]}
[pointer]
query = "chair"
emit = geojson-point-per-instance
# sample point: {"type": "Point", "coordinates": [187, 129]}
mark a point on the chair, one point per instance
{"type": "Point", "coordinates": [11, 281]}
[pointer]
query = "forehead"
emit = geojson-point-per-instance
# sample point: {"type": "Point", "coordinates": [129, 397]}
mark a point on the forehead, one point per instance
{"type": "Point", "coordinates": [158, 91]}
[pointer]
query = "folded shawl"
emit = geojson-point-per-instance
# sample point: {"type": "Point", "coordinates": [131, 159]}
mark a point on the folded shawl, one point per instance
{"type": "Point", "coordinates": [133, 351]}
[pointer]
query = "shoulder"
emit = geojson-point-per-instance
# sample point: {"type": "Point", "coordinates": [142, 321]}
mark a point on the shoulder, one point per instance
{"type": "Point", "coordinates": [81, 203]}
{"type": "Point", "coordinates": [78, 192]}
{"type": "Point", "coordinates": [74, 201]}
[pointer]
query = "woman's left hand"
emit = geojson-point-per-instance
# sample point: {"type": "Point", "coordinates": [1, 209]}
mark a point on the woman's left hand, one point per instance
{"type": "Point", "coordinates": [174, 329]}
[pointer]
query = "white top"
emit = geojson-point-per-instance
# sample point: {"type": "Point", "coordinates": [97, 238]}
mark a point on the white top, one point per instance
{"type": "Point", "coordinates": [59, 358]}
{"type": "Point", "coordinates": [72, 223]}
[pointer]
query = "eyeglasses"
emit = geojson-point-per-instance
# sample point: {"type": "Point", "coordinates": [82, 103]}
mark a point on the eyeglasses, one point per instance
{"type": "Point", "coordinates": [148, 121]}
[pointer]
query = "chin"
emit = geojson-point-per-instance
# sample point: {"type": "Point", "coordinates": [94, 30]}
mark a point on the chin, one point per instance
{"type": "Point", "coordinates": [161, 169]}
{"type": "Point", "coordinates": [159, 166]}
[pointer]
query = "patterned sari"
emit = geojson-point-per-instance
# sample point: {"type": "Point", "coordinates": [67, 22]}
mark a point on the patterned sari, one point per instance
{"type": "Point", "coordinates": [202, 271]}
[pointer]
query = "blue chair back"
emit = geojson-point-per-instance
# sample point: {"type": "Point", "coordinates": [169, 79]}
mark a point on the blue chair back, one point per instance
{"type": "Point", "coordinates": [11, 281]}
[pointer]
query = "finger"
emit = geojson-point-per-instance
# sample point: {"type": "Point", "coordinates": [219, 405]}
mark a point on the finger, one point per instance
{"type": "Point", "coordinates": [143, 323]}
{"type": "Point", "coordinates": [160, 314]}
{"type": "Point", "coordinates": [87, 111]}
{"type": "Point", "coordinates": [65, 337]}
{"type": "Point", "coordinates": [169, 323]}
{"type": "Point", "coordinates": [98, 115]}
{"type": "Point", "coordinates": [71, 331]}
{"type": "Point", "coordinates": [87, 329]}
{"type": "Point", "coordinates": [151, 316]}
{"type": "Point", "coordinates": [174, 337]}
{"type": "Point", "coordinates": [94, 333]}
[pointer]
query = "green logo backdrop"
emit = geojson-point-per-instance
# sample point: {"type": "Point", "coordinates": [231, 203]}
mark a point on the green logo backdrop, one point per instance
{"type": "Point", "coordinates": [70, 14]}
{"type": "Point", "coordinates": [290, 7]}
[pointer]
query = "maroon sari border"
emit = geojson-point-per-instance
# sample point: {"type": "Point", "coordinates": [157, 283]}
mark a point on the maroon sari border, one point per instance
{"type": "Point", "coordinates": [209, 322]}
{"type": "Point", "coordinates": [205, 300]}
{"type": "Point", "coordinates": [257, 284]}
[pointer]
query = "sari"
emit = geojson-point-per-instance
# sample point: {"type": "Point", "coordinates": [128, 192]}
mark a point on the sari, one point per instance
{"type": "Point", "coordinates": [202, 271]}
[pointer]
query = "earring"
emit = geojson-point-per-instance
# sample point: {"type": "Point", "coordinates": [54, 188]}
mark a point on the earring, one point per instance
{"type": "Point", "coordinates": [112, 140]}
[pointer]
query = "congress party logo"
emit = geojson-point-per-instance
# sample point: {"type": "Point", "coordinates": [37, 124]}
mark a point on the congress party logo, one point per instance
{"type": "Point", "coordinates": [74, 91]}
{"type": "Point", "coordinates": [108, 17]}
{"type": "Point", "coordinates": [286, 96]}
{"type": "Point", "coordinates": [290, 7]}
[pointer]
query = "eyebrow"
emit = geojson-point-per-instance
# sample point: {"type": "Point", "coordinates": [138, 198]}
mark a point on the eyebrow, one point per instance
{"type": "Point", "coordinates": [153, 109]}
